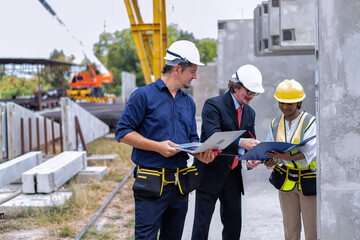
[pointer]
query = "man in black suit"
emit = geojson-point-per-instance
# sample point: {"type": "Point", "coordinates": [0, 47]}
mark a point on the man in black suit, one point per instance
{"type": "Point", "coordinates": [222, 179]}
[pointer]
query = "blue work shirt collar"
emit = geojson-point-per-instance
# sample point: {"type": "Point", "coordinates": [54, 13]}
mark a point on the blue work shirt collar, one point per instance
{"type": "Point", "coordinates": [161, 85]}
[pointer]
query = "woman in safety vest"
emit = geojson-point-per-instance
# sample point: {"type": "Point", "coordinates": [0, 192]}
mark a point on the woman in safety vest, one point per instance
{"type": "Point", "coordinates": [295, 171]}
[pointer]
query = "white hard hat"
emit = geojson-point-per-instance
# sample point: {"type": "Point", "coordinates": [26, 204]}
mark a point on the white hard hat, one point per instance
{"type": "Point", "coordinates": [249, 76]}
{"type": "Point", "coordinates": [182, 51]}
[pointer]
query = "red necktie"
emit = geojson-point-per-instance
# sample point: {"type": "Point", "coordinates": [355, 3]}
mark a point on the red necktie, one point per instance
{"type": "Point", "coordinates": [235, 163]}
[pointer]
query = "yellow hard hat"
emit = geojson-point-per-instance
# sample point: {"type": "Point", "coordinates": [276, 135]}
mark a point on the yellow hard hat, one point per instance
{"type": "Point", "coordinates": [289, 91]}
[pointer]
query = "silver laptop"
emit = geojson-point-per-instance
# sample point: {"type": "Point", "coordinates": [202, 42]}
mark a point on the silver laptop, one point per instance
{"type": "Point", "coordinates": [219, 140]}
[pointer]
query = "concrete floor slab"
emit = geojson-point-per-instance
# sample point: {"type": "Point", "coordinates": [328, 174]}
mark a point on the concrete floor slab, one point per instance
{"type": "Point", "coordinates": [36, 200]}
{"type": "Point", "coordinates": [11, 170]}
{"type": "Point", "coordinates": [103, 157]}
{"type": "Point", "coordinates": [50, 175]}
{"type": "Point", "coordinates": [94, 172]}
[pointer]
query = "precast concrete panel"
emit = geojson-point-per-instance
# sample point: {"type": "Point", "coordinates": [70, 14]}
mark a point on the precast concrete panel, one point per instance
{"type": "Point", "coordinates": [91, 127]}
{"type": "Point", "coordinates": [12, 170]}
{"type": "Point", "coordinates": [14, 114]}
{"type": "Point", "coordinates": [236, 48]}
{"type": "Point", "coordinates": [338, 113]}
{"type": "Point", "coordinates": [3, 134]}
{"type": "Point", "coordinates": [128, 85]}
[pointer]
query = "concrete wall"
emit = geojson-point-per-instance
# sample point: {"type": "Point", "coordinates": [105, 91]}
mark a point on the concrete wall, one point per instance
{"type": "Point", "coordinates": [264, 24]}
{"type": "Point", "coordinates": [91, 127]}
{"type": "Point", "coordinates": [14, 114]}
{"type": "Point", "coordinates": [3, 135]}
{"type": "Point", "coordinates": [298, 15]}
{"type": "Point", "coordinates": [236, 48]}
{"type": "Point", "coordinates": [128, 85]}
{"type": "Point", "coordinates": [204, 86]}
{"type": "Point", "coordinates": [274, 21]}
{"type": "Point", "coordinates": [338, 114]}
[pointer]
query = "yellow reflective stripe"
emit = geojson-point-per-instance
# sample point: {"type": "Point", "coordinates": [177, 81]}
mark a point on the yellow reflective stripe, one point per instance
{"type": "Point", "coordinates": [142, 177]}
{"type": "Point", "coordinates": [148, 173]}
{"type": "Point", "coordinates": [297, 134]}
{"type": "Point", "coordinates": [310, 123]}
{"type": "Point", "coordinates": [149, 170]}
{"type": "Point", "coordinates": [177, 173]}
{"type": "Point", "coordinates": [281, 136]}
{"type": "Point", "coordinates": [314, 176]}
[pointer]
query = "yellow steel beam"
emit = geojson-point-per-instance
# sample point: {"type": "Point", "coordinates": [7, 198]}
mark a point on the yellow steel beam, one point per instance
{"type": "Point", "coordinates": [139, 43]}
{"type": "Point", "coordinates": [150, 39]}
{"type": "Point", "coordinates": [163, 30]}
{"type": "Point", "coordinates": [145, 35]}
{"type": "Point", "coordinates": [157, 41]}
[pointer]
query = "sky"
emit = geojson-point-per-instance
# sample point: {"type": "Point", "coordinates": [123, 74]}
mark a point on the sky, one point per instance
{"type": "Point", "coordinates": [27, 30]}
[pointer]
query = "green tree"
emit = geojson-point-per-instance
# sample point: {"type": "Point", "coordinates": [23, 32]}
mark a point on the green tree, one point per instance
{"type": "Point", "coordinates": [207, 49]}
{"type": "Point", "coordinates": [51, 77]}
{"type": "Point", "coordinates": [118, 52]}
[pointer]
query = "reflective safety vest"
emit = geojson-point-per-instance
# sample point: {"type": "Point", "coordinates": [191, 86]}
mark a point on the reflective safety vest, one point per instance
{"type": "Point", "coordinates": [279, 133]}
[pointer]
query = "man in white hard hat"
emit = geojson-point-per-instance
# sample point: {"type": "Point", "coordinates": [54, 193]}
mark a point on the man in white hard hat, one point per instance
{"type": "Point", "coordinates": [222, 179]}
{"type": "Point", "coordinates": [156, 117]}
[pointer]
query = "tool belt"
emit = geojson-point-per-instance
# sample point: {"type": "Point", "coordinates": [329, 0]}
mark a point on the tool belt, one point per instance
{"type": "Point", "coordinates": [306, 178]}
{"type": "Point", "coordinates": [149, 182]}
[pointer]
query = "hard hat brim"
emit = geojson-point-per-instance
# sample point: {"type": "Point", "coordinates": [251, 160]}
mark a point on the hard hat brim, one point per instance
{"type": "Point", "coordinates": [296, 100]}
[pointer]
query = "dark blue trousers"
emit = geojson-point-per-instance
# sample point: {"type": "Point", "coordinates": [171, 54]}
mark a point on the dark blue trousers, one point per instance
{"type": "Point", "coordinates": [230, 211]}
{"type": "Point", "coordinates": [166, 213]}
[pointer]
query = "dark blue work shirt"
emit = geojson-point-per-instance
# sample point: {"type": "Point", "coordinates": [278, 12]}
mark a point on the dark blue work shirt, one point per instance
{"type": "Point", "coordinates": [155, 114]}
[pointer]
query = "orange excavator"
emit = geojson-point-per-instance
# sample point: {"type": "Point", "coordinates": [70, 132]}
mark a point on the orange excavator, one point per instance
{"type": "Point", "coordinates": [89, 83]}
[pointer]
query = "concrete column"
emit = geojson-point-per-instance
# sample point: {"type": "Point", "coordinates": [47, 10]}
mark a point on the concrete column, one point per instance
{"type": "Point", "coordinates": [338, 114]}
{"type": "Point", "coordinates": [3, 134]}
{"type": "Point", "coordinates": [91, 127]}
{"type": "Point", "coordinates": [128, 81]}
{"type": "Point", "coordinates": [205, 86]}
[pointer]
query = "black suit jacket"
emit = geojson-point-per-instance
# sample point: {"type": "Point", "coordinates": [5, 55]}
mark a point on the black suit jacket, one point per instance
{"type": "Point", "coordinates": [218, 115]}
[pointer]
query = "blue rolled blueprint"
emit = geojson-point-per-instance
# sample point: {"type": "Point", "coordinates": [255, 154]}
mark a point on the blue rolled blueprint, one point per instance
{"type": "Point", "coordinates": [259, 151]}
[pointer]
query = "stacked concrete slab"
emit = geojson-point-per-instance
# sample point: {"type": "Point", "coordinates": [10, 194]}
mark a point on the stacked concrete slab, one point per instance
{"type": "Point", "coordinates": [3, 135]}
{"type": "Point", "coordinates": [14, 115]}
{"type": "Point", "coordinates": [128, 81]}
{"type": "Point", "coordinates": [91, 127]}
{"type": "Point", "coordinates": [50, 175]}
{"type": "Point", "coordinates": [12, 170]}
{"type": "Point", "coordinates": [338, 114]}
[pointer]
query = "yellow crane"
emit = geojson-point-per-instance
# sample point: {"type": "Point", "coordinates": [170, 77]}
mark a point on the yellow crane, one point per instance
{"type": "Point", "coordinates": [150, 38]}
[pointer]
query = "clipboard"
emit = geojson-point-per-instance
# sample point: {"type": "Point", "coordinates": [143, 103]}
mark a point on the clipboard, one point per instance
{"type": "Point", "coordinates": [219, 140]}
{"type": "Point", "coordinates": [259, 151]}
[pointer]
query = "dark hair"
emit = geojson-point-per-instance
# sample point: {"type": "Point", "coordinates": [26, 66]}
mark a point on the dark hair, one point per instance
{"type": "Point", "coordinates": [183, 65]}
{"type": "Point", "coordinates": [298, 106]}
{"type": "Point", "coordinates": [232, 85]}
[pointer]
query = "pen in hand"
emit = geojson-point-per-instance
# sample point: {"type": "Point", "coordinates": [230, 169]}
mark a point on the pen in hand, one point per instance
{"type": "Point", "coordinates": [252, 135]}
